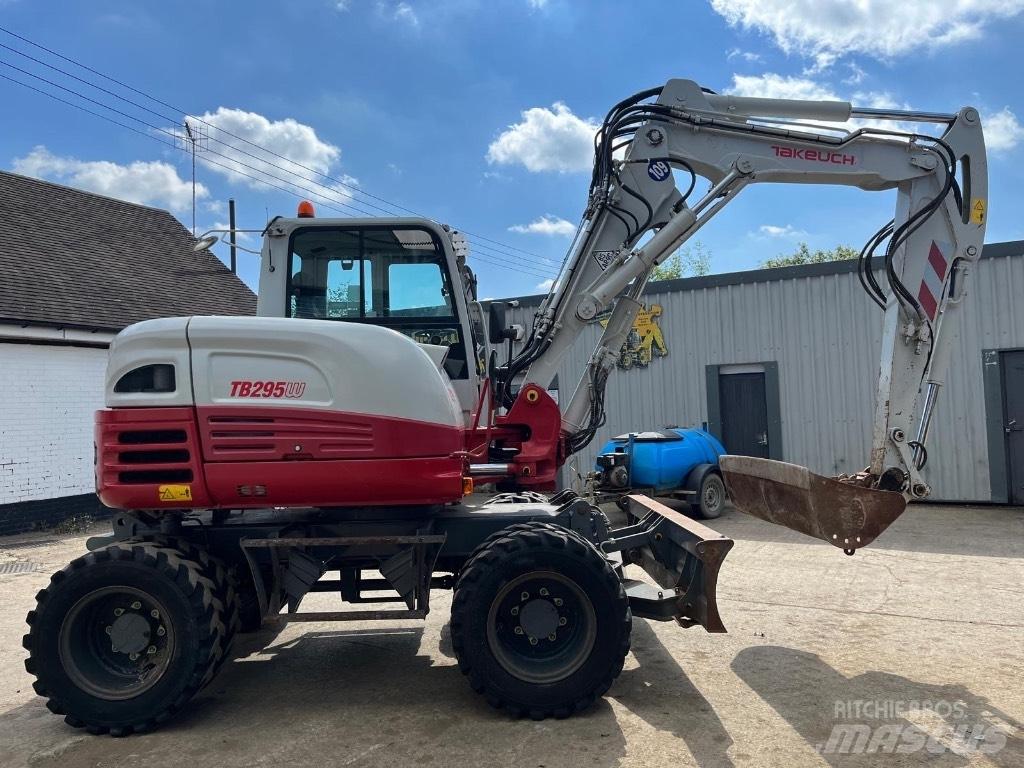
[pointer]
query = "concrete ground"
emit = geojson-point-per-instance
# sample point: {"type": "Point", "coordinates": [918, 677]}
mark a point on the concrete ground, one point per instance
{"type": "Point", "coordinates": [919, 635]}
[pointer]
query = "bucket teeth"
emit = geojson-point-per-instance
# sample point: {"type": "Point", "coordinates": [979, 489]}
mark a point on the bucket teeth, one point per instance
{"type": "Point", "coordinates": [846, 515]}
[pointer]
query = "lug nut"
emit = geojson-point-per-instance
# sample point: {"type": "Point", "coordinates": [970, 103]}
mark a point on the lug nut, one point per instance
{"type": "Point", "coordinates": [551, 637]}
{"type": "Point", "coordinates": [133, 656]}
{"type": "Point", "coordinates": [558, 602]}
{"type": "Point", "coordinates": [136, 605]}
{"type": "Point", "coordinates": [533, 641]}
{"type": "Point", "coordinates": [524, 596]}
{"type": "Point", "coordinates": [160, 631]}
{"type": "Point", "coordinates": [155, 613]}
{"type": "Point", "coordinates": [543, 591]}
{"type": "Point", "coordinates": [518, 630]}
{"type": "Point", "coordinates": [151, 650]}
{"type": "Point", "coordinates": [109, 630]}
{"type": "Point", "coordinates": [562, 621]}
{"type": "Point", "coordinates": [118, 611]}
{"type": "Point", "coordinates": [515, 610]}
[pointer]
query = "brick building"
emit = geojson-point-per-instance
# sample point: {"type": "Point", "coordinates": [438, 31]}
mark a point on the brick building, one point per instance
{"type": "Point", "coordinates": [77, 268]}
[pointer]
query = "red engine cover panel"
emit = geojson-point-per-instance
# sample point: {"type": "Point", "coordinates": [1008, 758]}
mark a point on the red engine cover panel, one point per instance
{"type": "Point", "coordinates": [255, 456]}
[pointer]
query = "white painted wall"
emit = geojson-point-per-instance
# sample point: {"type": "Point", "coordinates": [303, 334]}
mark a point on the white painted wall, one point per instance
{"type": "Point", "coordinates": [48, 395]}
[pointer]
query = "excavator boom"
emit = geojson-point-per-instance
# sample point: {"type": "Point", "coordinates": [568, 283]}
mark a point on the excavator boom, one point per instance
{"type": "Point", "coordinates": [915, 268]}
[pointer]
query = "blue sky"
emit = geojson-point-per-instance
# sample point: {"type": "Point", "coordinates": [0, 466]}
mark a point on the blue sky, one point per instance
{"type": "Point", "coordinates": [479, 112]}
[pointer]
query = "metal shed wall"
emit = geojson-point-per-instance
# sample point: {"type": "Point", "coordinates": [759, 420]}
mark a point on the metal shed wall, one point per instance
{"type": "Point", "coordinates": [824, 333]}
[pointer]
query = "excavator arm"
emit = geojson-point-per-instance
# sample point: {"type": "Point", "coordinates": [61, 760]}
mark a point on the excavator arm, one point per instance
{"type": "Point", "coordinates": [915, 268]}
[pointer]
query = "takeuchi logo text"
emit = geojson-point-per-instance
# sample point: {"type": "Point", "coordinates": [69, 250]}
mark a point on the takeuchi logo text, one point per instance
{"type": "Point", "coordinates": [815, 155]}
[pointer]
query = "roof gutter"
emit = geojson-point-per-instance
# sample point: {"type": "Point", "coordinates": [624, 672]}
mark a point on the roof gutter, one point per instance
{"type": "Point", "coordinates": [42, 334]}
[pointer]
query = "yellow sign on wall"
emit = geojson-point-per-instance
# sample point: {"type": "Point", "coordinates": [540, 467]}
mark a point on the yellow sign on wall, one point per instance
{"type": "Point", "coordinates": [645, 341]}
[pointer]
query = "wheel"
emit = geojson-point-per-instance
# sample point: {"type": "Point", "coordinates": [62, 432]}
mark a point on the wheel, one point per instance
{"type": "Point", "coordinates": [711, 496]}
{"type": "Point", "coordinates": [225, 592]}
{"type": "Point", "coordinates": [124, 636]}
{"type": "Point", "coordinates": [540, 622]}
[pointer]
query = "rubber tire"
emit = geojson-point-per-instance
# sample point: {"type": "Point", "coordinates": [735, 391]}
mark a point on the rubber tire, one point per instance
{"type": "Point", "coordinates": [702, 509]}
{"type": "Point", "coordinates": [507, 554]}
{"type": "Point", "coordinates": [225, 592]}
{"type": "Point", "coordinates": [187, 595]}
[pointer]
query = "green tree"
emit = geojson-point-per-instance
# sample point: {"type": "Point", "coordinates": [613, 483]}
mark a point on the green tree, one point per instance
{"type": "Point", "coordinates": [688, 261]}
{"type": "Point", "coordinates": [804, 255]}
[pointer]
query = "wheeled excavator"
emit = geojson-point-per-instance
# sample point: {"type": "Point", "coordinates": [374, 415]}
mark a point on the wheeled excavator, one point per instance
{"type": "Point", "coordinates": [329, 444]}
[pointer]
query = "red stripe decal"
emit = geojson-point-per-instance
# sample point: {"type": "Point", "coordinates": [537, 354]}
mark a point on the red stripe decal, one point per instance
{"type": "Point", "coordinates": [937, 260]}
{"type": "Point", "coordinates": [927, 301]}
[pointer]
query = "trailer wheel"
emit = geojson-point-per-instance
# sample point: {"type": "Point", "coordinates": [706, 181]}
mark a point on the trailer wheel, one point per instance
{"type": "Point", "coordinates": [540, 622]}
{"type": "Point", "coordinates": [123, 637]}
{"type": "Point", "coordinates": [712, 496]}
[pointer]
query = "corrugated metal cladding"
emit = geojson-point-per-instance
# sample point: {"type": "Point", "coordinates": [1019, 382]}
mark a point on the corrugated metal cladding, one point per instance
{"type": "Point", "coordinates": [818, 325]}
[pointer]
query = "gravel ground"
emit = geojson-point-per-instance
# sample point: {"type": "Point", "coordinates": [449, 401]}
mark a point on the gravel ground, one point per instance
{"type": "Point", "coordinates": [918, 636]}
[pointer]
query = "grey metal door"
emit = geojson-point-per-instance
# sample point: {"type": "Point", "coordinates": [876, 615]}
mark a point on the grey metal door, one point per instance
{"type": "Point", "coordinates": [1013, 412]}
{"type": "Point", "coordinates": [744, 409]}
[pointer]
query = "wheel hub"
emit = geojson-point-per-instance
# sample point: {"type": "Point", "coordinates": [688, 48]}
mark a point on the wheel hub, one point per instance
{"type": "Point", "coordinates": [541, 627]}
{"type": "Point", "coordinates": [115, 643]}
{"type": "Point", "coordinates": [539, 618]}
{"type": "Point", "coordinates": [129, 633]}
{"type": "Point", "coordinates": [711, 496]}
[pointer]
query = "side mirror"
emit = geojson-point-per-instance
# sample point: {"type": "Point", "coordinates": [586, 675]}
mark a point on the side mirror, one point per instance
{"type": "Point", "coordinates": [497, 322]}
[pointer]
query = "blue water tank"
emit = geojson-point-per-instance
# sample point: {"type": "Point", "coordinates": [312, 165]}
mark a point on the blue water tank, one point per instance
{"type": "Point", "coordinates": [662, 460]}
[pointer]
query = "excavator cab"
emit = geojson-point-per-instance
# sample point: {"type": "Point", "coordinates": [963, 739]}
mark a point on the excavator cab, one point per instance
{"type": "Point", "coordinates": [409, 275]}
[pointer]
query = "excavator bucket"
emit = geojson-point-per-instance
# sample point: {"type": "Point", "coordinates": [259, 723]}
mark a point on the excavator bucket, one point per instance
{"type": "Point", "coordinates": [846, 515]}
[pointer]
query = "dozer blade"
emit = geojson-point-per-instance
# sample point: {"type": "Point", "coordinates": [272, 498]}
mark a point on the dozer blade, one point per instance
{"type": "Point", "coordinates": [846, 515]}
{"type": "Point", "coordinates": [681, 555]}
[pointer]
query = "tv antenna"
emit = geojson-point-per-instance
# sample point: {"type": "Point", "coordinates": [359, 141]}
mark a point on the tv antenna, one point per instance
{"type": "Point", "coordinates": [194, 138]}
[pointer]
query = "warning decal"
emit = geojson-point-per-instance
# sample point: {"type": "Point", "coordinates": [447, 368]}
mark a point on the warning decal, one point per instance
{"type": "Point", "coordinates": [604, 258]}
{"type": "Point", "coordinates": [978, 210]}
{"type": "Point", "coordinates": [172, 493]}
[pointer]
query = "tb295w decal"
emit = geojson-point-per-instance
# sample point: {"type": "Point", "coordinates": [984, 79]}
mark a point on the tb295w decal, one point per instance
{"type": "Point", "coordinates": [293, 389]}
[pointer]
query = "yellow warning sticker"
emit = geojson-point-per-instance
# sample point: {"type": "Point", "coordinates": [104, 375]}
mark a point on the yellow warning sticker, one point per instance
{"type": "Point", "coordinates": [171, 493]}
{"type": "Point", "coordinates": [978, 210]}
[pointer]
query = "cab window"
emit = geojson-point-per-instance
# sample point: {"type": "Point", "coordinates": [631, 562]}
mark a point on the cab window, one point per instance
{"type": "Point", "coordinates": [396, 277]}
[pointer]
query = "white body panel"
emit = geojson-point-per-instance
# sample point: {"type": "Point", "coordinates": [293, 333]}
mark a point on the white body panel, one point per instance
{"type": "Point", "coordinates": [152, 342]}
{"type": "Point", "coordinates": [337, 366]}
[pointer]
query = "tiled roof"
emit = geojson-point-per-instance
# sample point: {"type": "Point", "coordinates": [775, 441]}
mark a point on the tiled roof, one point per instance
{"type": "Point", "coordinates": [77, 259]}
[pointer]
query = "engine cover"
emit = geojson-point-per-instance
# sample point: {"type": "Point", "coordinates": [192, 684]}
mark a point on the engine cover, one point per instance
{"type": "Point", "coordinates": [275, 412]}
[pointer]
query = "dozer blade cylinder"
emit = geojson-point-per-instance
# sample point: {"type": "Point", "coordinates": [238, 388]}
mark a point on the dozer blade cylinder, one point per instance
{"type": "Point", "coordinates": [681, 555]}
{"type": "Point", "coordinates": [846, 515]}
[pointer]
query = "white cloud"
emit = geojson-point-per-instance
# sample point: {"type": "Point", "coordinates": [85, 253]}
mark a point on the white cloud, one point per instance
{"type": "Point", "coordinates": [772, 86]}
{"type": "Point", "coordinates": [546, 225]}
{"type": "Point", "coordinates": [404, 12]}
{"type": "Point", "coordinates": [401, 12]}
{"type": "Point", "coordinates": [148, 183]}
{"type": "Point", "coordinates": [857, 74]}
{"type": "Point", "coordinates": [545, 285]}
{"type": "Point", "coordinates": [537, 5]}
{"type": "Point", "coordinates": [546, 140]}
{"type": "Point", "coordinates": [748, 56]}
{"type": "Point", "coordinates": [879, 28]}
{"type": "Point", "coordinates": [307, 154]}
{"type": "Point", "coordinates": [788, 231]}
{"type": "Point", "coordinates": [1002, 130]}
